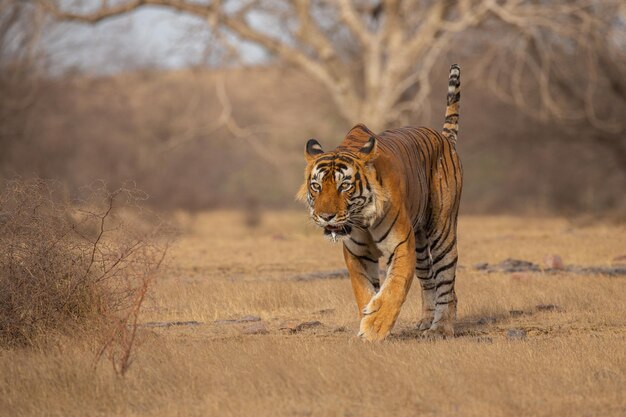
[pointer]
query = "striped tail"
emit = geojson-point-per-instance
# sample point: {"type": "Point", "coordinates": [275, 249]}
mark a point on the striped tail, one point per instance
{"type": "Point", "coordinates": [451, 124]}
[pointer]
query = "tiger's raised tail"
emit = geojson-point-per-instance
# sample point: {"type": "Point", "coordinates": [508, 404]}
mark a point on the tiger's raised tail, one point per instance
{"type": "Point", "coordinates": [451, 124]}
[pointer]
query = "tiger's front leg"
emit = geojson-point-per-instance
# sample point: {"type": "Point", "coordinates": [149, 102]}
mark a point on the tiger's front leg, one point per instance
{"type": "Point", "coordinates": [381, 313]}
{"type": "Point", "coordinates": [361, 258]}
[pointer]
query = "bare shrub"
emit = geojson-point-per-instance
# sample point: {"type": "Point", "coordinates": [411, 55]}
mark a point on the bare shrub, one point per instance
{"type": "Point", "coordinates": [71, 267]}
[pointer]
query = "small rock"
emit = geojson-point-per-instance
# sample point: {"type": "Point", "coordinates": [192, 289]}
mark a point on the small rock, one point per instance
{"type": "Point", "coordinates": [248, 319]}
{"type": "Point", "coordinates": [289, 326]}
{"type": "Point", "coordinates": [508, 265]}
{"type": "Point", "coordinates": [602, 270]}
{"type": "Point", "coordinates": [293, 326]}
{"type": "Point", "coordinates": [487, 320]}
{"type": "Point", "coordinates": [255, 328]}
{"type": "Point", "coordinates": [554, 262]}
{"type": "Point", "coordinates": [308, 325]}
{"type": "Point", "coordinates": [481, 266]}
{"type": "Point", "coordinates": [484, 339]}
{"type": "Point", "coordinates": [225, 321]}
{"type": "Point", "coordinates": [516, 334]}
{"type": "Point", "coordinates": [517, 265]}
{"type": "Point", "coordinates": [547, 307]}
{"type": "Point", "coordinates": [516, 313]}
{"type": "Point", "coordinates": [171, 323]}
{"type": "Point", "coordinates": [244, 319]}
{"type": "Point", "coordinates": [340, 329]}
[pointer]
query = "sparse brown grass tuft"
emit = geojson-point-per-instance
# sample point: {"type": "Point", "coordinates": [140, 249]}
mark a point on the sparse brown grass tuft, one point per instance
{"type": "Point", "coordinates": [69, 268]}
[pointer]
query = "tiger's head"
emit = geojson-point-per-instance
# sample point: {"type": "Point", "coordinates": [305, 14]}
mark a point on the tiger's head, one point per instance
{"type": "Point", "coordinates": [340, 187]}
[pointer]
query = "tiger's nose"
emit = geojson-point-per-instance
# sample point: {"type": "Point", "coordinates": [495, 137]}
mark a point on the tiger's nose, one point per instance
{"type": "Point", "coordinates": [327, 216]}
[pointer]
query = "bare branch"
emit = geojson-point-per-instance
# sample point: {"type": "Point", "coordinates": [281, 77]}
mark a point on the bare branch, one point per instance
{"type": "Point", "coordinates": [106, 12]}
{"type": "Point", "coordinates": [350, 17]}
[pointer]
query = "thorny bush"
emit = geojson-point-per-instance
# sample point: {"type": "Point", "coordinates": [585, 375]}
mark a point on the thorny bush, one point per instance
{"type": "Point", "coordinates": [79, 267]}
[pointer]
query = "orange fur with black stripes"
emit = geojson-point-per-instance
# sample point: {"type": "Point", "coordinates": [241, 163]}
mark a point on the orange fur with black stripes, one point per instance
{"type": "Point", "coordinates": [393, 196]}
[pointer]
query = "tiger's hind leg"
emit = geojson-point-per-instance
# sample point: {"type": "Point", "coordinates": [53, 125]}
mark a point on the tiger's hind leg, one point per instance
{"type": "Point", "coordinates": [423, 272]}
{"type": "Point", "coordinates": [444, 259]}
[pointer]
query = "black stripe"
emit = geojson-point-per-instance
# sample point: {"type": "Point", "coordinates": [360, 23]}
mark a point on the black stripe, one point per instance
{"type": "Point", "coordinates": [445, 268]}
{"type": "Point", "coordinates": [454, 98]}
{"type": "Point", "coordinates": [390, 227]}
{"type": "Point", "coordinates": [325, 158]}
{"type": "Point", "coordinates": [441, 284]}
{"type": "Point", "coordinates": [357, 242]}
{"type": "Point", "coordinates": [444, 252]}
{"type": "Point", "coordinates": [445, 293]}
{"type": "Point", "coordinates": [346, 158]}
{"type": "Point", "coordinates": [393, 252]}
{"type": "Point", "coordinates": [453, 164]}
{"type": "Point", "coordinates": [372, 280]}
{"type": "Point", "coordinates": [442, 237]}
{"type": "Point", "coordinates": [367, 184]}
{"type": "Point", "coordinates": [381, 220]}
{"type": "Point", "coordinates": [418, 259]}
{"type": "Point", "coordinates": [379, 178]}
{"type": "Point", "coordinates": [365, 258]}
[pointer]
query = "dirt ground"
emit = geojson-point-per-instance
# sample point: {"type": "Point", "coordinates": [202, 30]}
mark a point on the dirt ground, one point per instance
{"type": "Point", "coordinates": [262, 322]}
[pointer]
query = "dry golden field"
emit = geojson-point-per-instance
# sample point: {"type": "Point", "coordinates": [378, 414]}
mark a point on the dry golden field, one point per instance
{"type": "Point", "coordinates": [571, 362]}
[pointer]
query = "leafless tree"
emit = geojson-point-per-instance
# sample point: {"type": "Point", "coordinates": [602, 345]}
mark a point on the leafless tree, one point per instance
{"type": "Point", "coordinates": [555, 60]}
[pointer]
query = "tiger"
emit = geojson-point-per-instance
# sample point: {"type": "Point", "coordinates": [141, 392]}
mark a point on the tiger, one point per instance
{"type": "Point", "coordinates": [393, 196]}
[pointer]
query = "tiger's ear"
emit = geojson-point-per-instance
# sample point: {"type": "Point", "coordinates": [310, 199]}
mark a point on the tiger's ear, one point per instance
{"type": "Point", "coordinates": [312, 149]}
{"type": "Point", "coordinates": [369, 151]}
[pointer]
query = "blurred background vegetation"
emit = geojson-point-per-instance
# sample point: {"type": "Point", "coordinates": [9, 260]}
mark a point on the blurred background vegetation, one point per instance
{"type": "Point", "coordinates": [208, 104]}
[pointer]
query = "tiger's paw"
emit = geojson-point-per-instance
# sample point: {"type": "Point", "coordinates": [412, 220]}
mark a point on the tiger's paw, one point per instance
{"type": "Point", "coordinates": [374, 328]}
{"type": "Point", "coordinates": [377, 321]}
{"type": "Point", "coordinates": [440, 331]}
{"type": "Point", "coordinates": [424, 324]}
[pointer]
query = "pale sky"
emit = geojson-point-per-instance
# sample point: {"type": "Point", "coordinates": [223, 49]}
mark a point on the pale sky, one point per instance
{"type": "Point", "coordinates": [147, 37]}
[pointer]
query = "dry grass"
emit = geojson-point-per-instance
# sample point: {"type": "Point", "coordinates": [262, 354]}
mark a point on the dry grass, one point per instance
{"type": "Point", "coordinates": [572, 362]}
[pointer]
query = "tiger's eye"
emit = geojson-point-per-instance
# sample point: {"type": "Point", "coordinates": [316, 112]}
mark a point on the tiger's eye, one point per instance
{"type": "Point", "coordinates": [345, 186]}
{"type": "Point", "coordinates": [315, 187]}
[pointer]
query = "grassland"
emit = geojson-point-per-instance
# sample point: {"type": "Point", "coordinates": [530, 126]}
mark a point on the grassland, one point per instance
{"type": "Point", "coordinates": [572, 361]}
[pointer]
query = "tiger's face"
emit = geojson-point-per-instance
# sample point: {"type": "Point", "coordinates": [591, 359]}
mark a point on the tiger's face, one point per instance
{"type": "Point", "coordinates": [339, 188]}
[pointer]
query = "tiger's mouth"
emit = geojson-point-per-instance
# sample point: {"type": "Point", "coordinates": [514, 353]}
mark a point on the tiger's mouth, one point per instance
{"type": "Point", "coordinates": [333, 230]}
